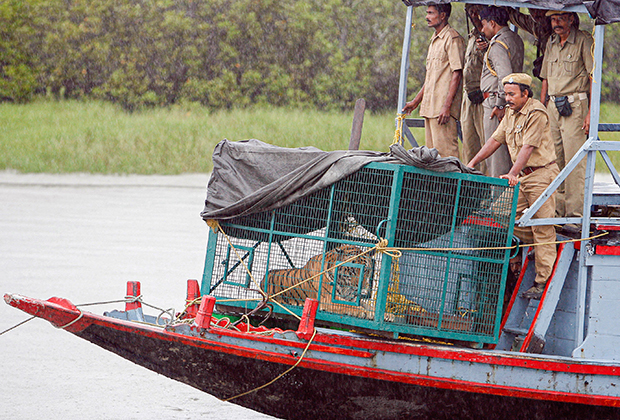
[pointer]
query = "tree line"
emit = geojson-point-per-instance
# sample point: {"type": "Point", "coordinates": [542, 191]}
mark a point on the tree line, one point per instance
{"type": "Point", "coordinates": [322, 54]}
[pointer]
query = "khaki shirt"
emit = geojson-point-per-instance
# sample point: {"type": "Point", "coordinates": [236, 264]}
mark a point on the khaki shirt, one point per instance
{"type": "Point", "coordinates": [445, 55]}
{"type": "Point", "coordinates": [473, 64]}
{"type": "Point", "coordinates": [503, 57]}
{"type": "Point", "coordinates": [530, 125]}
{"type": "Point", "coordinates": [567, 68]}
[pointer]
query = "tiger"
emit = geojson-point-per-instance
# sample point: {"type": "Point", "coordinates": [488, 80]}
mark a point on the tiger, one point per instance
{"type": "Point", "coordinates": [346, 284]}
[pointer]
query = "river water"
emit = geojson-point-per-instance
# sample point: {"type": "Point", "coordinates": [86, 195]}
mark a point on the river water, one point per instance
{"type": "Point", "coordinates": [82, 237]}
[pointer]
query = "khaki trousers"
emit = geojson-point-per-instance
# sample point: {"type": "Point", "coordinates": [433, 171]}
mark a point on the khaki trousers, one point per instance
{"type": "Point", "coordinates": [569, 137]}
{"type": "Point", "coordinates": [499, 163]}
{"type": "Point", "coordinates": [473, 131]}
{"type": "Point", "coordinates": [532, 186]}
{"type": "Point", "coordinates": [442, 137]}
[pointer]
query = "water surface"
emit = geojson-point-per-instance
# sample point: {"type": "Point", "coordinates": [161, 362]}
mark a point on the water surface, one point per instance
{"type": "Point", "coordinates": [82, 237]}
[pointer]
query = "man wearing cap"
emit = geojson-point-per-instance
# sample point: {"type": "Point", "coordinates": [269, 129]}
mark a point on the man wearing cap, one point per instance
{"type": "Point", "coordinates": [525, 131]}
{"type": "Point", "coordinates": [440, 96]}
{"type": "Point", "coordinates": [503, 56]}
{"type": "Point", "coordinates": [566, 71]}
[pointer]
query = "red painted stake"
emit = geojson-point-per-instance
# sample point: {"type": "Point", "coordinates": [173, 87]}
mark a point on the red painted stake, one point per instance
{"type": "Point", "coordinates": [193, 293]}
{"type": "Point", "coordinates": [306, 325]}
{"type": "Point", "coordinates": [203, 317]}
{"type": "Point", "coordinates": [133, 290]}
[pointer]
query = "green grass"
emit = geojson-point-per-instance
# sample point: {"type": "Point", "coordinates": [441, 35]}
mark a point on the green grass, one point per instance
{"type": "Point", "coordinates": [98, 137]}
{"type": "Point", "coordinates": [71, 136]}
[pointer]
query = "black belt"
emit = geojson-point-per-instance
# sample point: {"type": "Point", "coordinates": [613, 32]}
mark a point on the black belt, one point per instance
{"type": "Point", "coordinates": [529, 169]}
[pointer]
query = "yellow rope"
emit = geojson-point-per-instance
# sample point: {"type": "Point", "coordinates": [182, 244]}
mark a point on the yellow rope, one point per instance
{"type": "Point", "coordinates": [301, 282]}
{"type": "Point", "coordinates": [395, 300]}
{"type": "Point", "coordinates": [241, 261]}
{"type": "Point", "coordinates": [279, 376]}
{"type": "Point", "coordinates": [74, 321]}
{"type": "Point", "coordinates": [398, 134]}
{"type": "Point", "coordinates": [214, 224]}
{"type": "Point", "coordinates": [388, 250]}
{"type": "Point", "coordinates": [325, 271]}
{"type": "Point", "coordinates": [592, 52]}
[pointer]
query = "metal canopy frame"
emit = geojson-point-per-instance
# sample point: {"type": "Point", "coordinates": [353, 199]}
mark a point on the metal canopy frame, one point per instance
{"type": "Point", "coordinates": [588, 150]}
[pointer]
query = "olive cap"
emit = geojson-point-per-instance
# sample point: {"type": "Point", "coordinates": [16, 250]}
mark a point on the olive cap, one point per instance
{"type": "Point", "coordinates": [518, 78]}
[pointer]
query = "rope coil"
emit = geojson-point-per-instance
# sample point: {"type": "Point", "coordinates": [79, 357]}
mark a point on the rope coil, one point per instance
{"type": "Point", "coordinates": [280, 375]}
{"type": "Point", "coordinates": [398, 133]}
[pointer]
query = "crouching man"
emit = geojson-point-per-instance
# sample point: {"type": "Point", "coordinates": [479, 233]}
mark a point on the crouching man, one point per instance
{"type": "Point", "coordinates": [525, 131]}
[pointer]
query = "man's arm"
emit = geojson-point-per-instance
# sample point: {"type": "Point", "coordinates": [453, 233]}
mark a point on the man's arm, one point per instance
{"type": "Point", "coordinates": [413, 104]}
{"type": "Point", "coordinates": [521, 20]}
{"type": "Point", "coordinates": [500, 56]}
{"type": "Point", "coordinates": [487, 150]}
{"type": "Point", "coordinates": [455, 82]}
{"type": "Point", "coordinates": [522, 158]}
{"type": "Point", "coordinates": [544, 88]}
{"type": "Point", "coordinates": [586, 122]}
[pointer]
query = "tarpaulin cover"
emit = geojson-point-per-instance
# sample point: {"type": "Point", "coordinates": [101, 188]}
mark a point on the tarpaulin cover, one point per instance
{"type": "Point", "coordinates": [604, 11]}
{"type": "Point", "coordinates": [251, 176]}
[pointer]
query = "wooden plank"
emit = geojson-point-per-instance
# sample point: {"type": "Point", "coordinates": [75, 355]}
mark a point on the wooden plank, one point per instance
{"type": "Point", "coordinates": [358, 122]}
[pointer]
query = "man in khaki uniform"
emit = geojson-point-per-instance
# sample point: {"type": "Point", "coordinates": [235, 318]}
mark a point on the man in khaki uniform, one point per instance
{"type": "Point", "coordinates": [525, 131]}
{"type": "Point", "coordinates": [440, 96]}
{"type": "Point", "coordinates": [503, 57]}
{"type": "Point", "coordinates": [566, 73]}
{"type": "Point", "coordinates": [472, 113]}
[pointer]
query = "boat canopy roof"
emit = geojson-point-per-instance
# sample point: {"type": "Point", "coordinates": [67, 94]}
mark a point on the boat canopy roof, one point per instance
{"type": "Point", "coordinates": [603, 11]}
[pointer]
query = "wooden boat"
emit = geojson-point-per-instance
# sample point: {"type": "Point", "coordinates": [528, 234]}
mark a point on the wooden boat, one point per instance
{"type": "Point", "coordinates": [413, 323]}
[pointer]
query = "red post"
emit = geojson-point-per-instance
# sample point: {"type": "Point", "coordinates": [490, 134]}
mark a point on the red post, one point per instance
{"type": "Point", "coordinates": [203, 317]}
{"type": "Point", "coordinates": [193, 293]}
{"type": "Point", "coordinates": [133, 290]}
{"type": "Point", "coordinates": [306, 325]}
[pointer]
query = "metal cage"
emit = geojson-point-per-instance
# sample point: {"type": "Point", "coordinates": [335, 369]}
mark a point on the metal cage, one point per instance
{"type": "Point", "coordinates": [447, 279]}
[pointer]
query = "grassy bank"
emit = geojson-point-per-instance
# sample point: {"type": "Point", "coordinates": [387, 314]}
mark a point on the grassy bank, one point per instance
{"type": "Point", "coordinates": [98, 137]}
{"type": "Point", "coordinates": [70, 136]}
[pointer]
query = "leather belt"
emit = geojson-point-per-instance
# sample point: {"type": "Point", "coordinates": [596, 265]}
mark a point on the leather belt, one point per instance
{"type": "Point", "coordinates": [529, 169]}
{"type": "Point", "coordinates": [580, 96]}
{"type": "Point", "coordinates": [486, 95]}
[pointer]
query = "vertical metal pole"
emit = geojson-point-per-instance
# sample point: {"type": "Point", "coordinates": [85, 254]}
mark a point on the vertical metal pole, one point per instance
{"type": "Point", "coordinates": [272, 225]}
{"type": "Point", "coordinates": [404, 62]}
{"type": "Point", "coordinates": [207, 274]}
{"type": "Point", "coordinates": [595, 98]}
{"type": "Point", "coordinates": [595, 106]}
{"type": "Point", "coordinates": [390, 233]}
{"type": "Point", "coordinates": [582, 282]}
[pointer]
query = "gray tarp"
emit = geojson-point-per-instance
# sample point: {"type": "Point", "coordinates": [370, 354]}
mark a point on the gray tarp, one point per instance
{"type": "Point", "coordinates": [604, 11]}
{"type": "Point", "coordinates": [251, 176]}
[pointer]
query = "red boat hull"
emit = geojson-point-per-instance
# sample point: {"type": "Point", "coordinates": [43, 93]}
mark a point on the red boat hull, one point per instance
{"type": "Point", "coordinates": [315, 388]}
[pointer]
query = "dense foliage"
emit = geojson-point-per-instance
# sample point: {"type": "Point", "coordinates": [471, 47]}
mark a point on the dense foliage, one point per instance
{"type": "Point", "coordinates": [220, 53]}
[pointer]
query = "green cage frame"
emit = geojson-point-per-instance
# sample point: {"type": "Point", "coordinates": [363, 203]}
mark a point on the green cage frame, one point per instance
{"type": "Point", "coordinates": [388, 227]}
